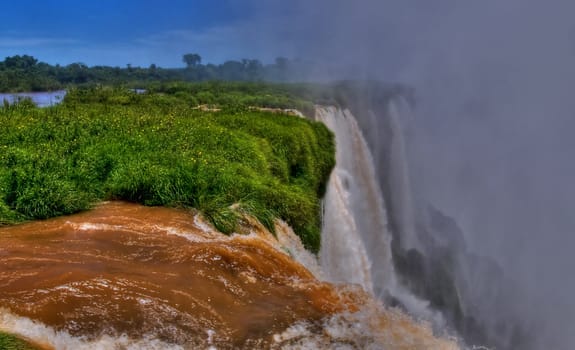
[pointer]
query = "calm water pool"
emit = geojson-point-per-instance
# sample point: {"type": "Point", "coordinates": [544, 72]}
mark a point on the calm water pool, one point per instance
{"type": "Point", "coordinates": [41, 99]}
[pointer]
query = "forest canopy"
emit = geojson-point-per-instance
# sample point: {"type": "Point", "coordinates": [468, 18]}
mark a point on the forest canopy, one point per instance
{"type": "Point", "coordinates": [24, 73]}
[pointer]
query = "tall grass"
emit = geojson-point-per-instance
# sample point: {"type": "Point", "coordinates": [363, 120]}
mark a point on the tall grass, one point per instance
{"type": "Point", "coordinates": [157, 149]}
{"type": "Point", "coordinates": [9, 342]}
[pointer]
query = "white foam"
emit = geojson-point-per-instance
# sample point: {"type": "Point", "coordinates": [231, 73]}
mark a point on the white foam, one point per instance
{"type": "Point", "coordinates": [89, 226]}
{"type": "Point", "coordinates": [202, 224]}
{"type": "Point", "coordinates": [368, 328]}
{"type": "Point", "coordinates": [187, 235]}
{"type": "Point", "coordinates": [291, 244]}
{"type": "Point", "coordinates": [61, 340]}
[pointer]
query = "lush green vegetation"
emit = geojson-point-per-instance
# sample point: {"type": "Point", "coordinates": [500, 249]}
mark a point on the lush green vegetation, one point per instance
{"type": "Point", "coordinates": [157, 148]}
{"type": "Point", "coordinates": [210, 94]}
{"type": "Point", "coordinates": [25, 73]}
{"type": "Point", "coordinates": [9, 342]}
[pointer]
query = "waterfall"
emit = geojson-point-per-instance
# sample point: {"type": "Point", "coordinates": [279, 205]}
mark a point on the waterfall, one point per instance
{"type": "Point", "coordinates": [381, 233]}
{"type": "Point", "coordinates": [399, 178]}
{"type": "Point", "coordinates": [356, 239]}
{"type": "Point", "coordinates": [353, 206]}
{"type": "Point", "coordinates": [162, 278]}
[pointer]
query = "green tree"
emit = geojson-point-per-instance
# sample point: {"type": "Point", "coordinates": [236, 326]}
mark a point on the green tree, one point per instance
{"type": "Point", "coordinates": [23, 62]}
{"type": "Point", "coordinates": [232, 70]}
{"type": "Point", "coordinates": [253, 69]}
{"type": "Point", "coordinates": [192, 59]}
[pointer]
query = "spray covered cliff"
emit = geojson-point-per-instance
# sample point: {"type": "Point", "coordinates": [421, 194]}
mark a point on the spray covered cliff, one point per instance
{"type": "Point", "coordinates": [417, 255]}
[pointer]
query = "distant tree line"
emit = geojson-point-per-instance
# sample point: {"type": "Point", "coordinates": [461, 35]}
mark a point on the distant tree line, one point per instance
{"type": "Point", "coordinates": [26, 73]}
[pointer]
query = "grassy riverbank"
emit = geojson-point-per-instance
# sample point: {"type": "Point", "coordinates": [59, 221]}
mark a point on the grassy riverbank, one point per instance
{"type": "Point", "coordinates": [157, 148]}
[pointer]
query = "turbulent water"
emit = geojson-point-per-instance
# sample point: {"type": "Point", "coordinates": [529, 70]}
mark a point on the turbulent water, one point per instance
{"type": "Point", "coordinates": [125, 276]}
{"type": "Point", "coordinates": [152, 272]}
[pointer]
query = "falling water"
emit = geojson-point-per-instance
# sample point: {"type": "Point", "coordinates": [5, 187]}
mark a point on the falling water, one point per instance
{"type": "Point", "coordinates": [433, 273]}
{"type": "Point", "coordinates": [399, 178]}
{"type": "Point", "coordinates": [356, 240]}
{"type": "Point", "coordinates": [354, 209]}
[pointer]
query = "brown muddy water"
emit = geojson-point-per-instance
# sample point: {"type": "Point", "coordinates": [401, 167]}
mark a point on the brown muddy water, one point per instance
{"type": "Point", "coordinates": [125, 276]}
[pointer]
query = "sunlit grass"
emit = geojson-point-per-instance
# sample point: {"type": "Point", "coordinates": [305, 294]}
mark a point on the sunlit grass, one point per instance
{"type": "Point", "coordinates": [157, 149]}
{"type": "Point", "coordinates": [9, 342]}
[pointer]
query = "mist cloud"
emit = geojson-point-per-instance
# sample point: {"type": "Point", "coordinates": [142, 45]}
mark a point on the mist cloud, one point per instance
{"type": "Point", "coordinates": [493, 143]}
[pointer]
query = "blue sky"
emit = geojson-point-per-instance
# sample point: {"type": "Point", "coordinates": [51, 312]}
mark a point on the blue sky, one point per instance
{"type": "Point", "coordinates": [120, 32]}
{"type": "Point", "coordinates": [142, 32]}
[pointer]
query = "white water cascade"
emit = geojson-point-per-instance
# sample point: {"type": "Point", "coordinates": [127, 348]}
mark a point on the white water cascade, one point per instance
{"type": "Point", "coordinates": [356, 241]}
{"type": "Point", "coordinates": [353, 206]}
{"type": "Point", "coordinates": [399, 177]}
